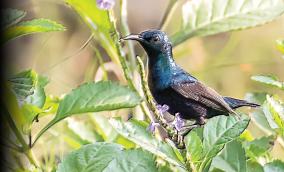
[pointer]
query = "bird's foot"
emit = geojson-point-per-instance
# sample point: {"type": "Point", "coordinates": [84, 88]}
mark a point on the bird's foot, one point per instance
{"type": "Point", "coordinates": [200, 121]}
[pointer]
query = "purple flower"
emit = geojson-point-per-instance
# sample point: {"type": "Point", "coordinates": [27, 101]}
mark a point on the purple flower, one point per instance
{"type": "Point", "coordinates": [105, 4]}
{"type": "Point", "coordinates": [152, 126]}
{"type": "Point", "coordinates": [163, 109]}
{"type": "Point", "coordinates": [178, 122]}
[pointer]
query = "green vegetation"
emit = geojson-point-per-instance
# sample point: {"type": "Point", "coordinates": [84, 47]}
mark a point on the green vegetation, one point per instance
{"type": "Point", "coordinates": [93, 119]}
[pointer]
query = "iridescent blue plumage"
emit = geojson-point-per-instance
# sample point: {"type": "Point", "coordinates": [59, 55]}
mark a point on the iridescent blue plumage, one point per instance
{"type": "Point", "coordinates": [173, 86]}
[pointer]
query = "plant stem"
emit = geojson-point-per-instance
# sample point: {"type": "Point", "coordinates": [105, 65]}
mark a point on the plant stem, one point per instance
{"type": "Point", "coordinates": [101, 61]}
{"type": "Point", "coordinates": [154, 117]}
{"type": "Point", "coordinates": [126, 31]}
{"type": "Point", "coordinates": [121, 57]}
{"type": "Point", "coordinates": [146, 90]}
{"type": "Point", "coordinates": [25, 148]}
{"type": "Point", "coordinates": [85, 44]}
{"type": "Point", "coordinates": [168, 14]}
{"type": "Point", "coordinates": [31, 158]}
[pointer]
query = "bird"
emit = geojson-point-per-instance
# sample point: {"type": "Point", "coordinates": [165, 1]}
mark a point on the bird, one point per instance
{"type": "Point", "coordinates": [171, 85]}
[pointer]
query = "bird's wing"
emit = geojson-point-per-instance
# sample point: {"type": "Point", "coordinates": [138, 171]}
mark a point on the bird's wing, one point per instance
{"type": "Point", "coordinates": [199, 92]}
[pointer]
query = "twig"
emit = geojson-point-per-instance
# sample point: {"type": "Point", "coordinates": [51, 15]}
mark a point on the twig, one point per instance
{"type": "Point", "coordinates": [26, 149]}
{"type": "Point", "coordinates": [70, 56]}
{"type": "Point", "coordinates": [150, 101]}
{"type": "Point", "coordinates": [101, 61]}
{"type": "Point", "coordinates": [146, 90]}
{"type": "Point", "coordinates": [126, 31]}
{"type": "Point", "coordinates": [121, 57]}
{"type": "Point", "coordinates": [168, 14]}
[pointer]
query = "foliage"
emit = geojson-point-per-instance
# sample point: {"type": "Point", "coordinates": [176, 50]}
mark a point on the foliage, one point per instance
{"type": "Point", "coordinates": [207, 17]}
{"type": "Point", "coordinates": [13, 28]}
{"type": "Point", "coordinates": [269, 80]}
{"type": "Point", "coordinates": [105, 142]}
{"type": "Point", "coordinates": [136, 131]}
{"type": "Point", "coordinates": [226, 162]}
{"type": "Point", "coordinates": [107, 157]}
{"type": "Point", "coordinates": [93, 97]}
{"type": "Point", "coordinates": [28, 88]}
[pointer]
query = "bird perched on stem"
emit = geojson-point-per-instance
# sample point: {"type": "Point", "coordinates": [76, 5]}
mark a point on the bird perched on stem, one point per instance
{"type": "Point", "coordinates": [172, 86]}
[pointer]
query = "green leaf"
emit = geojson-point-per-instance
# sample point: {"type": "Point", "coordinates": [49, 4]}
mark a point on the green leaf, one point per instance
{"type": "Point", "coordinates": [259, 119]}
{"type": "Point", "coordinates": [256, 97]}
{"type": "Point", "coordinates": [280, 45]}
{"type": "Point", "coordinates": [193, 146]}
{"type": "Point", "coordinates": [28, 99]}
{"type": "Point", "coordinates": [28, 87]}
{"type": "Point", "coordinates": [132, 161]}
{"type": "Point", "coordinates": [221, 130]}
{"type": "Point", "coordinates": [125, 142]}
{"type": "Point", "coordinates": [83, 129]}
{"type": "Point", "coordinates": [93, 157]}
{"type": "Point", "coordinates": [103, 127]}
{"type": "Point", "coordinates": [253, 166]}
{"type": "Point", "coordinates": [259, 147]}
{"type": "Point", "coordinates": [232, 158]}
{"type": "Point", "coordinates": [107, 157]}
{"type": "Point", "coordinates": [164, 168]}
{"type": "Point", "coordinates": [11, 17]}
{"type": "Point", "coordinates": [274, 113]}
{"type": "Point", "coordinates": [94, 97]}
{"type": "Point", "coordinates": [208, 17]}
{"type": "Point", "coordinates": [136, 131]}
{"type": "Point", "coordinates": [269, 80]}
{"type": "Point", "coordinates": [29, 27]}
{"type": "Point", "coordinates": [98, 21]}
{"type": "Point", "coordinates": [72, 139]}
{"type": "Point", "coordinates": [275, 166]}
{"type": "Point", "coordinates": [217, 132]}
{"type": "Point", "coordinates": [96, 18]}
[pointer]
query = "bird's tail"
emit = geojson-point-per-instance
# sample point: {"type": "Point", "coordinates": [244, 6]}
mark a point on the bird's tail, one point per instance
{"type": "Point", "coordinates": [236, 103]}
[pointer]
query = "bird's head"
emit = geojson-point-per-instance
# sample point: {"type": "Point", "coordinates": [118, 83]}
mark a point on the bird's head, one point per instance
{"type": "Point", "coordinates": [152, 41]}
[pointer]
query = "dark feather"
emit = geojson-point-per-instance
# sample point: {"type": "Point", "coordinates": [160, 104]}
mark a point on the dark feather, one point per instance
{"type": "Point", "coordinates": [173, 86]}
{"type": "Point", "coordinates": [199, 92]}
{"type": "Point", "coordinates": [236, 103]}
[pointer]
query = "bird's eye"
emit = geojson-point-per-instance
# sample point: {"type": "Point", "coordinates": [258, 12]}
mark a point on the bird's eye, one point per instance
{"type": "Point", "coordinates": [156, 39]}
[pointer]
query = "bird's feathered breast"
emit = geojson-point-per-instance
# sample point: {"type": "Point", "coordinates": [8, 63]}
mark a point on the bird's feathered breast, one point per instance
{"type": "Point", "coordinates": [160, 71]}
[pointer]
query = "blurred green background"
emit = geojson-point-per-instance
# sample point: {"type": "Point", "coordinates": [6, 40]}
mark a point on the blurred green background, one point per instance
{"type": "Point", "coordinates": [224, 62]}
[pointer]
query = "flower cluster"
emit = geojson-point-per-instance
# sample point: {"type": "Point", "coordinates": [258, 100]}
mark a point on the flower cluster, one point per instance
{"type": "Point", "coordinates": [105, 4]}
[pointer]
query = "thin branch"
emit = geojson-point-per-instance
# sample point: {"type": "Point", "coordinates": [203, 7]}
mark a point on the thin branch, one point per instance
{"type": "Point", "coordinates": [121, 56]}
{"type": "Point", "coordinates": [85, 44]}
{"type": "Point", "coordinates": [26, 149]}
{"type": "Point", "coordinates": [126, 31]}
{"type": "Point", "coordinates": [147, 93]}
{"type": "Point", "coordinates": [101, 61]}
{"type": "Point", "coordinates": [150, 101]}
{"type": "Point", "coordinates": [168, 14]}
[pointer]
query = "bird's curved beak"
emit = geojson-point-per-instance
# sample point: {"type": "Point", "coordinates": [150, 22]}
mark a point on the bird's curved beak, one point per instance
{"type": "Point", "coordinates": [135, 37]}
